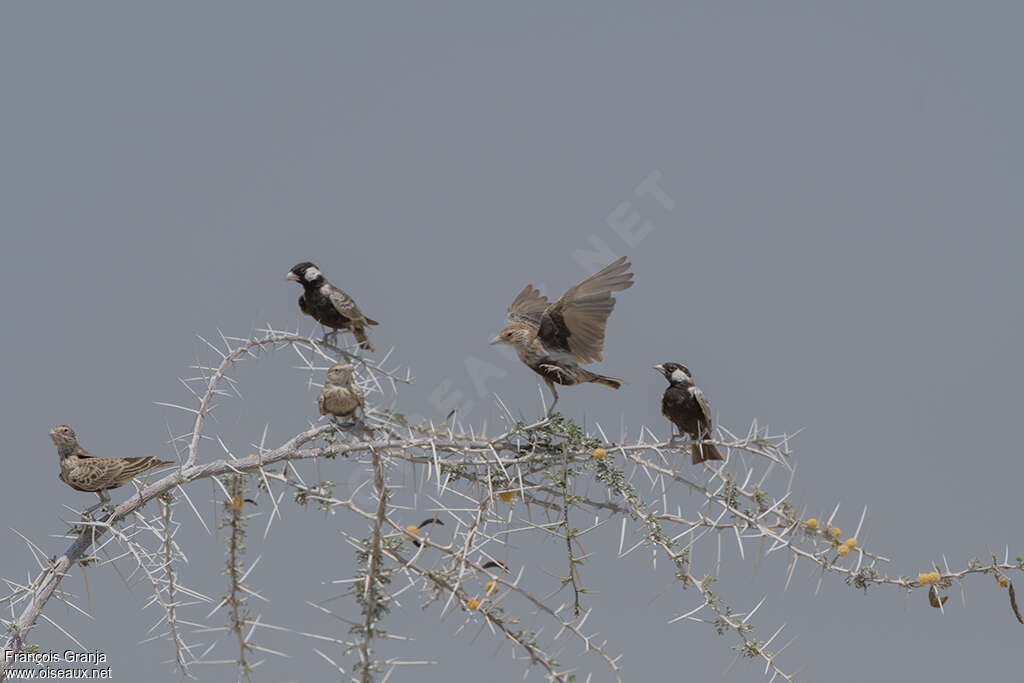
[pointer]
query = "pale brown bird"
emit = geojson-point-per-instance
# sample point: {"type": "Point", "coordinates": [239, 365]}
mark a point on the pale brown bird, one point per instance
{"type": "Point", "coordinates": [340, 398]}
{"type": "Point", "coordinates": [553, 339]}
{"type": "Point", "coordinates": [83, 471]}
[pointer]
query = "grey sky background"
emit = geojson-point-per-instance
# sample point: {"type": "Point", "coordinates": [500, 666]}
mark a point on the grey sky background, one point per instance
{"type": "Point", "coordinates": [843, 257]}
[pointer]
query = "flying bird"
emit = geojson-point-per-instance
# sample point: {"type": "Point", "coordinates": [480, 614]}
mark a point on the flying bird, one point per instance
{"type": "Point", "coordinates": [340, 398]}
{"type": "Point", "coordinates": [554, 339]}
{"type": "Point", "coordinates": [328, 305]}
{"type": "Point", "coordinates": [686, 407]}
{"type": "Point", "coordinates": [83, 471]}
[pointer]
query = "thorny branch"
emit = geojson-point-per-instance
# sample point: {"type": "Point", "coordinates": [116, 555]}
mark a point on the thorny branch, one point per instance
{"type": "Point", "coordinates": [473, 477]}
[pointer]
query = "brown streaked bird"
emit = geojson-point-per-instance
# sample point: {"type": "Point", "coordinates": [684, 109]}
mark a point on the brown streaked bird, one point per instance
{"type": "Point", "coordinates": [686, 407]}
{"type": "Point", "coordinates": [83, 471]}
{"type": "Point", "coordinates": [340, 398]}
{"type": "Point", "coordinates": [554, 339]}
{"type": "Point", "coordinates": [328, 305]}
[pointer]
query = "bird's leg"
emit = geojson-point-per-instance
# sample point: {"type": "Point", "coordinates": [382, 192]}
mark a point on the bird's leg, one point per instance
{"type": "Point", "coordinates": [554, 393]}
{"type": "Point", "coordinates": [104, 499]}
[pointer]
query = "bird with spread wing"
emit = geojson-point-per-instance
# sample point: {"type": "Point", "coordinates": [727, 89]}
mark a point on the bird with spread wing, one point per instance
{"type": "Point", "coordinates": [554, 339]}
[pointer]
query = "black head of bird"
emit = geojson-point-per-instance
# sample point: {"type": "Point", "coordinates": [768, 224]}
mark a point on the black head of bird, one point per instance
{"type": "Point", "coordinates": [306, 274]}
{"type": "Point", "coordinates": [675, 373]}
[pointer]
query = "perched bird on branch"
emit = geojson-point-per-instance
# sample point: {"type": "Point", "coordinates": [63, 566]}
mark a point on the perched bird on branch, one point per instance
{"type": "Point", "coordinates": [340, 398]}
{"type": "Point", "coordinates": [328, 305]}
{"type": "Point", "coordinates": [83, 471]}
{"type": "Point", "coordinates": [553, 339]}
{"type": "Point", "coordinates": [686, 407]}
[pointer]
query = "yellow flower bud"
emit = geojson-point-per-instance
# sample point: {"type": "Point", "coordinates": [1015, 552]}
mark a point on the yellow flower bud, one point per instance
{"type": "Point", "coordinates": [1003, 582]}
{"type": "Point", "coordinates": [835, 531]}
{"type": "Point", "coordinates": [472, 604]}
{"type": "Point", "coordinates": [599, 454]}
{"type": "Point", "coordinates": [811, 524]}
{"type": "Point", "coordinates": [928, 578]}
{"type": "Point", "coordinates": [412, 531]}
{"type": "Point", "coordinates": [491, 588]}
{"type": "Point", "coordinates": [252, 455]}
{"type": "Point", "coordinates": [506, 496]}
{"type": "Point", "coordinates": [850, 543]}
{"type": "Point", "coordinates": [843, 550]}
{"type": "Point", "coordinates": [236, 503]}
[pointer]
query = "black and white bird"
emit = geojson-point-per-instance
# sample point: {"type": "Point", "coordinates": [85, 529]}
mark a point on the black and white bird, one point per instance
{"type": "Point", "coordinates": [686, 407]}
{"type": "Point", "coordinates": [328, 305]}
{"type": "Point", "coordinates": [554, 339]}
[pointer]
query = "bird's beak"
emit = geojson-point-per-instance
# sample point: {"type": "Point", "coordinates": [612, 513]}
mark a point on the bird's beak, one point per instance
{"type": "Point", "coordinates": [660, 368]}
{"type": "Point", "coordinates": [496, 340]}
{"type": "Point", "coordinates": [291, 276]}
{"type": "Point", "coordinates": [52, 432]}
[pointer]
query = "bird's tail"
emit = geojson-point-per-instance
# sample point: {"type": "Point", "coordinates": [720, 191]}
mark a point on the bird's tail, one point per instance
{"type": "Point", "coordinates": [609, 382]}
{"type": "Point", "coordinates": [370, 321]}
{"type": "Point", "coordinates": [704, 451]}
{"type": "Point", "coordinates": [360, 334]}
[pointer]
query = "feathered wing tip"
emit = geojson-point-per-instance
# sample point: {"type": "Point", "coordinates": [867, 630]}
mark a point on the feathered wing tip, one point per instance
{"type": "Point", "coordinates": [370, 321]}
{"type": "Point", "coordinates": [364, 341]}
{"type": "Point", "coordinates": [614, 277]}
{"type": "Point", "coordinates": [704, 451]}
{"type": "Point", "coordinates": [151, 463]}
{"type": "Point", "coordinates": [133, 467]}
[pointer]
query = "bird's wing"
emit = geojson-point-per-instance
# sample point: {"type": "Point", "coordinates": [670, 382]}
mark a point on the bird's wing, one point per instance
{"type": "Point", "coordinates": [95, 474]}
{"type": "Point", "coordinates": [576, 322]}
{"type": "Point", "coordinates": [705, 407]}
{"type": "Point", "coordinates": [528, 307]}
{"type": "Point", "coordinates": [321, 400]}
{"type": "Point", "coordinates": [344, 304]}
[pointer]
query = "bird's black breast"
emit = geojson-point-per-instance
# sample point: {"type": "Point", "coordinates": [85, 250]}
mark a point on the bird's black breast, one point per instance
{"type": "Point", "coordinates": [321, 309]}
{"type": "Point", "coordinates": [682, 409]}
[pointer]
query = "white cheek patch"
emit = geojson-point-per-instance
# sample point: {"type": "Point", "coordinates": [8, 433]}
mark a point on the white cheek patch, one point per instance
{"type": "Point", "coordinates": [679, 377]}
{"type": "Point", "coordinates": [311, 274]}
